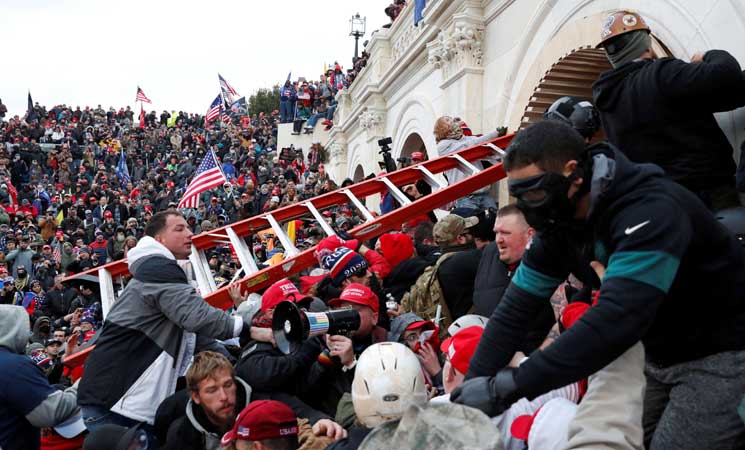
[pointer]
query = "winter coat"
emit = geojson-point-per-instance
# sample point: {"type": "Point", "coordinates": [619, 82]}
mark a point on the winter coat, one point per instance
{"type": "Point", "coordinates": [662, 111]}
{"type": "Point", "coordinates": [149, 334]}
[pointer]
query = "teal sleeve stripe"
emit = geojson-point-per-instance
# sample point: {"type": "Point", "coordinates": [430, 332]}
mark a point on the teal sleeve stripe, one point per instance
{"type": "Point", "coordinates": [534, 282]}
{"type": "Point", "coordinates": [654, 268]}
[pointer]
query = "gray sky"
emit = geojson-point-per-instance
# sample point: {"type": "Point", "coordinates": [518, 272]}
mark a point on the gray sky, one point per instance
{"type": "Point", "coordinates": [96, 52]}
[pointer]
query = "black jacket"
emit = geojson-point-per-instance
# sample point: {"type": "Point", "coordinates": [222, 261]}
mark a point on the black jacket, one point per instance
{"type": "Point", "coordinates": [457, 275]}
{"type": "Point", "coordinates": [403, 276]}
{"type": "Point", "coordinates": [661, 111]}
{"type": "Point", "coordinates": [675, 279]}
{"type": "Point", "coordinates": [492, 279]}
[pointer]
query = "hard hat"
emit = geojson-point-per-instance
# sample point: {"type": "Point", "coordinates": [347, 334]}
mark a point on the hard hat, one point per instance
{"type": "Point", "coordinates": [579, 114]}
{"type": "Point", "coordinates": [469, 320]}
{"type": "Point", "coordinates": [387, 380]}
{"type": "Point", "coordinates": [618, 23]}
{"type": "Point", "coordinates": [734, 220]}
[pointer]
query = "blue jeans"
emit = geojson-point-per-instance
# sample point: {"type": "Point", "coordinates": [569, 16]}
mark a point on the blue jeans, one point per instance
{"type": "Point", "coordinates": [481, 201]}
{"type": "Point", "coordinates": [312, 121]}
{"type": "Point", "coordinates": [95, 416]}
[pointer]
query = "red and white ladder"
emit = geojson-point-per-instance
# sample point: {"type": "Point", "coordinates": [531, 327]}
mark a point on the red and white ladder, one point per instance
{"type": "Point", "coordinates": [255, 279]}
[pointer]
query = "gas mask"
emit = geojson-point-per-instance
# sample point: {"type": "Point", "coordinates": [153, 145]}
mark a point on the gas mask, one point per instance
{"type": "Point", "coordinates": [544, 202]}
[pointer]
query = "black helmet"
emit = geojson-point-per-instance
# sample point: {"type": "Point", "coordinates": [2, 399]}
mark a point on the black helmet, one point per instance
{"type": "Point", "coordinates": [734, 220]}
{"type": "Point", "coordinates": [578, 113]}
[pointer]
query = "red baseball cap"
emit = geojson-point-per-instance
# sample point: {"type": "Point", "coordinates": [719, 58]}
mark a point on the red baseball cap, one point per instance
{"type": "Point", "coordinates": [331, 243]}
{"type": "Point", "coordinates": [261, 420]}
{"type": "Point", "coordinates": [107, 214]}
{"type": "Point", "coordinates": [278, 292]}
{"type": "Point", "coordinates": [461, 347]}
{"type": "Point", "coordinates": [359, 294]}
{"type": "Point", "coordinates": [417, 156]}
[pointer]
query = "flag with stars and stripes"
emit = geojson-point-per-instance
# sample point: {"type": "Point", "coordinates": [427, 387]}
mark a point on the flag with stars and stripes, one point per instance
{"type": "Point", "coordinates": [141, 97]}
{"type": "Point", "coordinates": [208, 176]}
{"type": "Point", "coordinates": [228, 93]}
{"type": "Point", "coordinates": [214, 110]}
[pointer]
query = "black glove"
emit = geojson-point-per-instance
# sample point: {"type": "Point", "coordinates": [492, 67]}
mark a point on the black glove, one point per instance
{"type": "Point", "coordinates": [492, 395]}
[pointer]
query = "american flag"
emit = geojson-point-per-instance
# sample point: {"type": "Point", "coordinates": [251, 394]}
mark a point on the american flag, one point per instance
{"type": "Point", "coordinates": [227, 90]}
{"type": "Point", "coordinates": [225, 115]}
{"type": "Point", "coordinates": [141, 97]}
{"type": "Point", "coordinates": [214, 110]}
{"type": "Point", "coordinates": [208, 176]}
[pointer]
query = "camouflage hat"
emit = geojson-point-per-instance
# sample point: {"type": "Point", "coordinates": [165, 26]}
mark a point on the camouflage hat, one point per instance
{"type": "Point", "coordinates": [447, 229]}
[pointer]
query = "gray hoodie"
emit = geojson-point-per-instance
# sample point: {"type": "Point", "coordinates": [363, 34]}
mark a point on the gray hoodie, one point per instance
{"type": "Point", "coordinates": [58, 405]}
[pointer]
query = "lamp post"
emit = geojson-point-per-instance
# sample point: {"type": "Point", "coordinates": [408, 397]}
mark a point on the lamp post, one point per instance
{"type": "Point", "coordinates": [357, 29]}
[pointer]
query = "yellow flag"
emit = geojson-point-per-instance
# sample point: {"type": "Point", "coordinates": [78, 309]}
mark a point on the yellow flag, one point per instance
{"type": "Point", "coordinates": [60, 217]}
{"type": "Point", "coordinates": [291, 230]}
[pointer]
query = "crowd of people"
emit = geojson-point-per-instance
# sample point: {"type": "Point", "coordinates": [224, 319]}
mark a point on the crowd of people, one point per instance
{"type": "Point", "coordinates": [604, 309]}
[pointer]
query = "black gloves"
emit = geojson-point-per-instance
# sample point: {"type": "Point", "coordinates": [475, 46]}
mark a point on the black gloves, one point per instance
{"type": "Point", "coordinates": [492, 395]}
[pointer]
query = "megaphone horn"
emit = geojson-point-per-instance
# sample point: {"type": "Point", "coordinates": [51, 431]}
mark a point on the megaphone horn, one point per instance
{"type": "Point", "coordinates": [291, 325]}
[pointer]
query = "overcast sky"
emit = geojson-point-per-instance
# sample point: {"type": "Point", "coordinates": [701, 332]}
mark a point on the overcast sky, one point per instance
{"type": "Point", "coordinates": [97, 52]}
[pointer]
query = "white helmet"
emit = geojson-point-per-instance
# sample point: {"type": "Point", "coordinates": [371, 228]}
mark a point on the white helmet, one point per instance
{"type": "Point", "coordinates": [469, 320]}
{"type": "Point", "coordinates": [387, 380]}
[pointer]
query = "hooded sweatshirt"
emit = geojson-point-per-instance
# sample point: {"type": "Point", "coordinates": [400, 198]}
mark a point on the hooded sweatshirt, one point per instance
{"type": "Point", "coordinates": [665, 256]}
{"type": "Point", "coordinates": [148, 338]}
{"type": "Point", "coordinates": [27, 401]}
{"type": "Point", "coordinates": [662, 111]}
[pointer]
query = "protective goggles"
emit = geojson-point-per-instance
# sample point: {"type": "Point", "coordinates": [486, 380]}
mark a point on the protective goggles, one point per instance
{"type": "Point", "coordinates": [537, 190]}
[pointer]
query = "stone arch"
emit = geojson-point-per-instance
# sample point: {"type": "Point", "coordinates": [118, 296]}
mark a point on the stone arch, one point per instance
{"type": "Point", "coordinates": [558, 28]}
{"type": "Point", "coordinates": [413, 143]}
{"type": "Point", "coordinates": [417, 116]}
{"type": "Point", "coordinates": [359, 174]}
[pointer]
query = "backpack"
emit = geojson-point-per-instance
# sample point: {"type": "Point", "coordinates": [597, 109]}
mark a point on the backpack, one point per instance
{"type": "Point", "coordinates": [426, 294]}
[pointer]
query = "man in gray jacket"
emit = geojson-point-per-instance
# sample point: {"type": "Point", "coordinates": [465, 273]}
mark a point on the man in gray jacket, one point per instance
{"type": "Point", "coordinates": [150, 334]}
{"type": "Point", "coordinates": [27, 401]}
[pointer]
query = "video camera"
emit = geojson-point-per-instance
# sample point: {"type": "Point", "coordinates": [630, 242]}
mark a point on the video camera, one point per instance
{"type": "Point", "coordinates": [388, 163]}
{"type": "Point", "coordinates": [292, 325]}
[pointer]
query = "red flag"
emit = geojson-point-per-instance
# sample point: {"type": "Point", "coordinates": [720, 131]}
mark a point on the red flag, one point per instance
{"type": "Point", "coordinates": [142, 116]}
{"type": "Point", "coordinates": [12, 191]}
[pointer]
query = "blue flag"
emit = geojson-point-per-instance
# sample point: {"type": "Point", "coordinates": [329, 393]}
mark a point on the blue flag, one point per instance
{"type": "Point", "coordinates": [419, 6]}
{"type": "Point", "coordinates": [122, 171]}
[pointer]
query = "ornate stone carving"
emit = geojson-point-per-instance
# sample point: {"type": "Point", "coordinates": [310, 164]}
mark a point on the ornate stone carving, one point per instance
{"type": "Point", "coordinates": [369, 120]}
{"type": "Point", "coordinates": [456, 47]}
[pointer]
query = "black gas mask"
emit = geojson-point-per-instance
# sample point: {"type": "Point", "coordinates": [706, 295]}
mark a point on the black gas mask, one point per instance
{"type": "Point", "coordinates": [544, 200]}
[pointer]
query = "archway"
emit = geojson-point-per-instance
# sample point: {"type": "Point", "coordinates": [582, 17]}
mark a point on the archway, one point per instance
{"type": "Point", "coordinates": [413, 143]}
{"type": "Point", "coordinates": [574, 75]}
{"type": "Point", "coordinates": [359, 174]}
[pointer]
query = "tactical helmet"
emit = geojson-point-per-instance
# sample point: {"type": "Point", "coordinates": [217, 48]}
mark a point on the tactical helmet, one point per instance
{"type": "Point", "coordinates": [579, 114]}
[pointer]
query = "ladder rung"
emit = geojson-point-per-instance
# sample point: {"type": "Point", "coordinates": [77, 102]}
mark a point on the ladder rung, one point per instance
{"type": "Point", "coordinates": [496, 149]}
{"type": "Point", "coordinates": [201, 267]}
{"type": "Point", "coordinates": [289, 247]}
{"type": "Point", "coordinates": [395, 192]}
{"type": "Point", "coordinates": [319, 218]}
{"type": "Point", "coordinates": [106, 285]}
{"type": "Point", "coordinates": [429, 177]}
{"type": "Point", "coordinates": [245, 257]}
{"type": "Point", "coordinates": [357, 203]}
{"type": "Point", "coordinates": [465, 166]}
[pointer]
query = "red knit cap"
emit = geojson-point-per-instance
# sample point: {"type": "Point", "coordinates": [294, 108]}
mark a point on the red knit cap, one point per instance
{"type": "Point", "coordinates": [396, 247]}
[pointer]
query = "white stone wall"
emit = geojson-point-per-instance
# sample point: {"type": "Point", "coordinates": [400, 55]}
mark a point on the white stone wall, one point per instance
{"type": "Point", "coordinates": [481, 60]}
